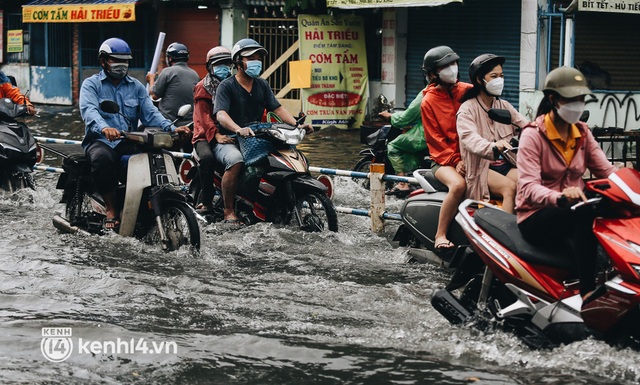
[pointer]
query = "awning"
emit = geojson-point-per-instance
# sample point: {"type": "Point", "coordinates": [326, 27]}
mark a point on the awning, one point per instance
{"type": "Point", "coordinates": [78, 11]}
{"type": "Point", "coordinates": [387, 3]}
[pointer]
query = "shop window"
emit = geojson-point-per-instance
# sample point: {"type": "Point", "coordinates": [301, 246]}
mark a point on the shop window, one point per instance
{"type": "Point", "coordinates": [14, 22]}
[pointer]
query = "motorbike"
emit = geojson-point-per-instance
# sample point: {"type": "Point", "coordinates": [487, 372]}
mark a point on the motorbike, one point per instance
{"type": "Point", "coordinates": [534, 291]}
{"type": "Point", "coordinates": [18, 148]}
{"type": "Point", "coordinates": [421, 209]}
{"type": "Point", "coordinates": [275, 185]}
{"type": "Point", "coordinates": [376, 139]}
{"type": "Point", "coordinates": [155, 207]}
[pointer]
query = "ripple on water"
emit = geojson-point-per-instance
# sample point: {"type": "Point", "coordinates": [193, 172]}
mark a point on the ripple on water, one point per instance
{"type": "Point", "coordinates": [261, 305]}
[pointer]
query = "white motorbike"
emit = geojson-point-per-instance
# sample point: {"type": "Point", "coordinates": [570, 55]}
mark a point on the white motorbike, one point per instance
{"type": "Point", "coordinates": [155, 206]}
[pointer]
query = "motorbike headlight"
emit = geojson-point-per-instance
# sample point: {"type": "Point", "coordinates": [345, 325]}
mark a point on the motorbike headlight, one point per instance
{"type": "Point", "coordinates": [294, 136]}
{"type": "Point", "coordinates": [277, 134]}
{"type": "Point", "coordinates": [162, 140]}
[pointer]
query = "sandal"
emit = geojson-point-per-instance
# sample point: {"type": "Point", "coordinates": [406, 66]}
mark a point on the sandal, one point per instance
{"type": "Point", "coordinates": [400, 193]}
{"type": "Point", "coordinates": [111, 224]}
{"type": "Point", "coordinates": [446, 245]}
{"type": "Point", "coordinates": [236, 223]}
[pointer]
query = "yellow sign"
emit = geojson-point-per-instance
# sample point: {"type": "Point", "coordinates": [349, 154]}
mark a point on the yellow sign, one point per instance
{"type": "Point", "coordinates": [335, 45]}
{"type": "Point", "coordinates": [14, 40]}
{"type": "Point", "coordinates": [78, 13]}
{"type": "Point", "coordinates": [387, 3]}
{"type": "Point", "coordinates": [300, 73]}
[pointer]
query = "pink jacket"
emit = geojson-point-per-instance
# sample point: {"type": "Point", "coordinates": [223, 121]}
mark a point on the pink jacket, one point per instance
{"type": "Point", "coordinates": [543, 172]}
{"type": "Point", "coordinates": [477, 136]}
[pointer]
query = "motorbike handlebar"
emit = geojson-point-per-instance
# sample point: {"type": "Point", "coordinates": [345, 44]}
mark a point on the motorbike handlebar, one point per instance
{"type": "Point", "coordinates": [588, 202]}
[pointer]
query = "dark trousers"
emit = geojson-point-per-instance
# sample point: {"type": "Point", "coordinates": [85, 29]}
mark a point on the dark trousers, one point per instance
{"type": "Point", "coordinates": [551, 227]}
{"type": "Point", "coordinates": [206, 169]}
{"type": "Point", "coordinates": [106, 168]}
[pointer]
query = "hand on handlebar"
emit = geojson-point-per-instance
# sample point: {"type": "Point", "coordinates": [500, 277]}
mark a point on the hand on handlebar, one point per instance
{"type": "Point", "coordinates": [245, 132]}
{"type": "Point", "coordinates": [385, 114]}
{"type": "Point", "coordinates": [574, 195]}
{"type": "Point", "coordinates": [111, 133]}
{"type": "Point", "coordinates": [183, 130]}
{"type": "Point", "coordinates": [307, 128]}
{"type": "Point", "coordinates": [503, 145]}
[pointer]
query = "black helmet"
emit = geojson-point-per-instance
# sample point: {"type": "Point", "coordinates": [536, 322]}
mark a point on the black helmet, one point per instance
{"type": "Point", "coordinates": [246, 47]}
{"type": "Point", "coordinates": [116, 48]}
{"type": "Point", "coordinates": [484, 62]}
{"type": "Point", "coordinates": [437, 57]}
{"type": "Point", "coordinates": [178, 52]}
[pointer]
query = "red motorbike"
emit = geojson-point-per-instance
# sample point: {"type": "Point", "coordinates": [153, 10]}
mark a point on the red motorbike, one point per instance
{"type": "Point", "coordinates": [534, 291]}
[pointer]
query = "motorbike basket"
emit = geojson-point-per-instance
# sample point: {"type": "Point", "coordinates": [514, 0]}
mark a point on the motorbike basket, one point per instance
{"type": "Point", "coordinates": [254, 149]}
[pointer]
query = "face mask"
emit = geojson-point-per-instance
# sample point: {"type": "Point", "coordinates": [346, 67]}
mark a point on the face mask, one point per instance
{"type": "Point", "coordinates": [117, 70]}
{"type": "Point", "coordinates": [221, 72]}
{"type": "Point", "coordinates": [571, 112]}
{"type": "Point", "coordinates": [494, 86]}
{"type": "Point", "coordinates": [254, 67]}
{"type": "Point", "coordinates": [449, 75]}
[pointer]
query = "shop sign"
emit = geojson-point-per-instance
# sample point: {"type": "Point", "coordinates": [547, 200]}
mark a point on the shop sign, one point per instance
{"type": "Point", "coordinates": [78, 13]}
{"type": "Point", "coordinates": [614, 6]}
{"type": "Point", "coordinates": [335, 45]}
{"type": "Point", "coordinates": [14, 40]}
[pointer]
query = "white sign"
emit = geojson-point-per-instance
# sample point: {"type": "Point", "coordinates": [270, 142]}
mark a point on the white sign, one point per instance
{"type": "Point", "coordinates": [388, 75]}
{"type": "Point", "coordinates": [616, 6]}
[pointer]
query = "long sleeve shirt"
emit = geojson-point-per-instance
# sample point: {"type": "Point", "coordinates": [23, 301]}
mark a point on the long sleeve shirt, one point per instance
{"type": "Point", "coordinates": [439, 108]}
{"type": "Point", "coordinates": [134, 102]}
{"type": "Point", "coordinates": [543, 172]}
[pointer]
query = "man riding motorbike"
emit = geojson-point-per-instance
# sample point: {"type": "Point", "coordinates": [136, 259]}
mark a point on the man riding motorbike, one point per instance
{"type": "Point", "coordinates": [240, 100]}
{"type": "Point", "coordinates": [8, 90]}
{"type": "Point", "coordinates": [205, 130]}
{"type": "Point", "coordinates": [102, 143]}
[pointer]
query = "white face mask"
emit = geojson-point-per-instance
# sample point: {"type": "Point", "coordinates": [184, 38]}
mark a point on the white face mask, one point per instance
{"type": "Point", "coordinates": [449, 75]}
{"type": "Point", "coordinates": [571, 112]}
{"type": "Point", "coordinates": [494, 86]}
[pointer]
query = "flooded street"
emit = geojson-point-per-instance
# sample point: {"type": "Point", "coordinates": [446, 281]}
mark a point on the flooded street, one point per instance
{"type": "Point", "coordinates": [260, 305]}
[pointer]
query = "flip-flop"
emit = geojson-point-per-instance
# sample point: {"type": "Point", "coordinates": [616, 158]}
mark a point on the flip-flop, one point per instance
{"type": "Point", "coordinates": [204, 210]}
{"type": "Point", "coordinates": [111, 224]}
{"type": "Point", "coordinates": [400, 193]}
{"type": "Point", "coordinates": [444, 245]}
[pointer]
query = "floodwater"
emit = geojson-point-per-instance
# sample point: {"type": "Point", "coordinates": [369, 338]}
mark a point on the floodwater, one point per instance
{"type": "Point", "coordinates": [260, 305]}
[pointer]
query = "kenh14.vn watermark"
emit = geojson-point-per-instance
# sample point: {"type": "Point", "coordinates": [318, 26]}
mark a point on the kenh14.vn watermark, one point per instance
{"type": "Point", "coordinates": [58, 345]}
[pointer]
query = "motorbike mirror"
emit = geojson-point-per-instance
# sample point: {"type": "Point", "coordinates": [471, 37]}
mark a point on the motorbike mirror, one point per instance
{"type": "Point", "coordinates": [109, 106]}
{"type": "Point", "coordinates": [585, 116]}
{"type": "Point", "coordinates": [500, 115]}
{"type": "Point", "coordinates": [184, 110]}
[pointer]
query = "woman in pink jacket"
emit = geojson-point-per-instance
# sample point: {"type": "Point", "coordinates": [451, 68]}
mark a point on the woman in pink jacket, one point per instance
{"type": "Point", "coordinates": [482, 140]}
{"type": "Point", "coordinates": [551, 161]}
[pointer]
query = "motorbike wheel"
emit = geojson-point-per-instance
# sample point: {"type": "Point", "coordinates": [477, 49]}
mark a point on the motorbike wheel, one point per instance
{"type": "Point", "coordinates": [363, 166]}
{"type": "Point", "coordinates": [317, 212]}
{"type": "Point", "coordinates": [180, 225]}
{"type": "Point", "coordinates": [77, 207]}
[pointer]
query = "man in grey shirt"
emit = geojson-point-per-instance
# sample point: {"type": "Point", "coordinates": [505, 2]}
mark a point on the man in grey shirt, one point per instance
{"type": "Point", "coordinates": [174, 85]}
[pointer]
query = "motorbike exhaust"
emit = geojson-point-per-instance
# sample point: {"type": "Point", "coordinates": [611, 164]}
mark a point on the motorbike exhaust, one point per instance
{"type": "Point", "coordinates": [449, 306]}
{"type": "Point", "coordinates": [63, 225]}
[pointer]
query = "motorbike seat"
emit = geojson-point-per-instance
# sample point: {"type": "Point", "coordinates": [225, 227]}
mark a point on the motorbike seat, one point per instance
{"type": "Point", "coordinates": [435, 183]}
{"type": "Point", "coordinates": [76, 164]}
{"type": "Point", "coordinates": [503, 227]}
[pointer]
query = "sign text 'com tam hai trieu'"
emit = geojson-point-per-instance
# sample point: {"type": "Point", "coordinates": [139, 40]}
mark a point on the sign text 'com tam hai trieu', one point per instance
{"type": "Point", "coordinates": [78, 13]}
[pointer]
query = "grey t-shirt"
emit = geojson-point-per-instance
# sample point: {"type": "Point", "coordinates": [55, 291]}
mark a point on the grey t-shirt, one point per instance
{"type": "Point", "coordinates": [175, 86]}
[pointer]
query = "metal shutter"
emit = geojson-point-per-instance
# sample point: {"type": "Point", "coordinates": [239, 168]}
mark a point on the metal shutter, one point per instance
{"type": "Point", "coordinates": [471, 29]}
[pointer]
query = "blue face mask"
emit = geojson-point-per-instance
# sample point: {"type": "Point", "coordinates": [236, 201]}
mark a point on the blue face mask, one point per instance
{"type": "Point", "coordinates": [254, 68]}
{"type": "Point", "coordinates": [221, 72]}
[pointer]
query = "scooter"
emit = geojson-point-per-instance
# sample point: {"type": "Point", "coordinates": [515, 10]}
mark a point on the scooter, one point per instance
{"type": "Point", "coordinates": [534, 291]}
{"type": "Point", "coordinates": [421, 210]}
{"type": "Point", "coordinates": [18, 148]}
{"type": "Point", "coordinates": [275, 185]}
{"type": "Point", "coordinates": [155, 207]}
